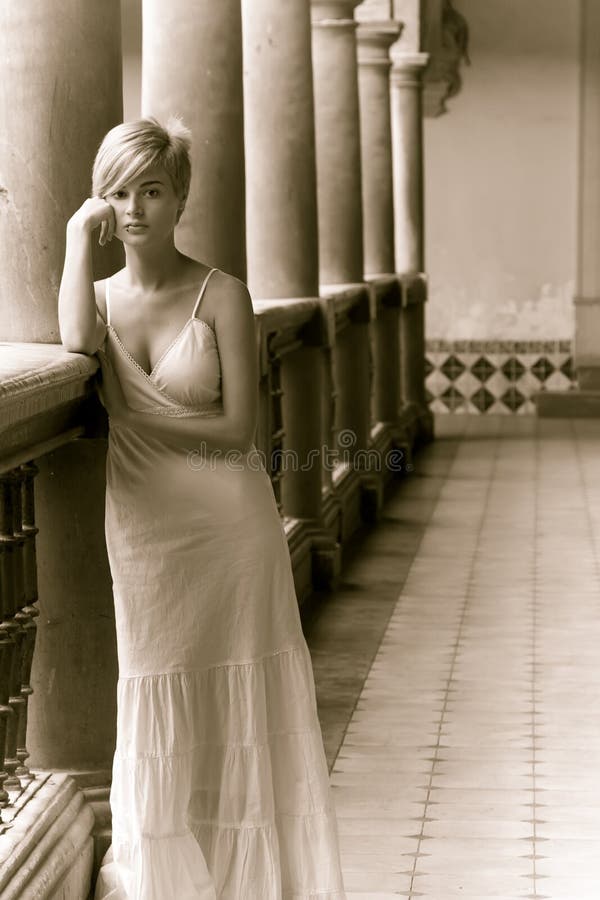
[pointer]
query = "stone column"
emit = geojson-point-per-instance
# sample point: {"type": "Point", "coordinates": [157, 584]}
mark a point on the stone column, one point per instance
{"type": "Point", "coordinates": [192, 67]}
{"type": "Point", "coordinates": [407, 150]}
{"type": "Point", "coordinates": [281, 211]}
{"type": "Point", "coordinates": [338, 141]}
{"type": "Point", "coordinates": [281, 198]}
{"type": "Point", "coordinates": [61, 93]}
{"type": "Point", "coordinates": [587, 300]}
{"type": "Point", "coordinates": [374, 42]}
{"type": "Point", "coordinates": [339, 191]}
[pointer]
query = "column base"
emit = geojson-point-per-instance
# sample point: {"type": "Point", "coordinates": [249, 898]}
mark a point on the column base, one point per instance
{"type": "Point", "coordinates": [300, 547]}
{"type": "Point", "coordinates": [98, 799]}
{"type": "Point", "coordinates": [418, 421]}
{"type": "Point", "coordinates": [48, 849]}
{"type": "Point", "coordinates": [371, 498]}
{"type": "Point", "coordinates": [425, 425]}
{"type": "Point", "coordinates": [568, 404]}
{"type": "Point", "coordinates": [326, 562]}
{"type": "Point", "coordinates": [316, 555]}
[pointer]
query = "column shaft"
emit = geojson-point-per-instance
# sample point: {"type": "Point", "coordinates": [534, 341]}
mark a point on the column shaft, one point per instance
{"type": "Point", "coordinates": [281, 203]}
{"type": "Point", "coordinates": [281, 209]}
{"type": "Point", "coordinates": [407, 149]}
{"type": "Point", "coordinates": [192, 67]}
{"type": "Point", "coordinates": [61, 79]}
{"type": "Point", "coordinates": [407, 152]}
{"type": "Point", "coordinates": [337, 127]}
{"type": "Point", "coordinates": [374, 41]}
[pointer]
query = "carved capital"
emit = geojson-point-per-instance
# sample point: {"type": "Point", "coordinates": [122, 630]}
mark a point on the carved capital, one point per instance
{"type": "Point", "coordinates": [334, 13]}
{"type": "Point", "coordinates": [374, 41]}
{"type": "Point", "coordinates": [407, 68]}
{"type": "Point", "coordinates": [375, 11]}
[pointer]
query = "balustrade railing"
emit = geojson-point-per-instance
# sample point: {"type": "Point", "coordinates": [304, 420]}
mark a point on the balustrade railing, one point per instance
{"type": "Point", "coordinates": [46, 400]}
{"type": "Point", "coordinates": [18, 595]}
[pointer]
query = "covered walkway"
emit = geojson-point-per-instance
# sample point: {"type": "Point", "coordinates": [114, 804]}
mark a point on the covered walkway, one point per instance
{"type": "Point", "coordinates": [460, 690]}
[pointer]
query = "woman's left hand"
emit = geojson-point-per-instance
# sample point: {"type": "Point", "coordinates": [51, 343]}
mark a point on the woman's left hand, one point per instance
{"type": "Point", "coordinates": [111, 394]}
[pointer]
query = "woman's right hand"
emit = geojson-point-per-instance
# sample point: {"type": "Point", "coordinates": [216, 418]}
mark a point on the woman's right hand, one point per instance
{"type": "Point", "coordinates": [94, 212]}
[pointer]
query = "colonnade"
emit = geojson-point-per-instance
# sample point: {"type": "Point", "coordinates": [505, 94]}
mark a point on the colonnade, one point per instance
{"type": "Point", "coordinates": [289, 120]}
{"type": "Point", "coordinates": [307, 183]}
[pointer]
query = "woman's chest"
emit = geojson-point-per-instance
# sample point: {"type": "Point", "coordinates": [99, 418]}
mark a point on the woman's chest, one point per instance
{"type": "Point", "coordinates": [188, 372]}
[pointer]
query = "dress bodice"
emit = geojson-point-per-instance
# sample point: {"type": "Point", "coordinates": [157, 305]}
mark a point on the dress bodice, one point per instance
{"type": "Point", "coordinates": [187, 377]}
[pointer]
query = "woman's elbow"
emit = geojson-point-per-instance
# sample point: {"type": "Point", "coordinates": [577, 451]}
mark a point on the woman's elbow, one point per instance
{"type": "Point", "coordinates": [75, 342]}
{"type": "Point", "coordinates": [78, 347]}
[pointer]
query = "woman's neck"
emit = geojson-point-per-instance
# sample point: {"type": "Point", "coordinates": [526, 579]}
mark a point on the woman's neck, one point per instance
{"type": "Point", "coordinates": [152, 268]}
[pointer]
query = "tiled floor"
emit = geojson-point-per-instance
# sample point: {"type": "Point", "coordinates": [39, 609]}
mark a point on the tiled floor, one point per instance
{"type": "Point", "coordinates": [459, 669]}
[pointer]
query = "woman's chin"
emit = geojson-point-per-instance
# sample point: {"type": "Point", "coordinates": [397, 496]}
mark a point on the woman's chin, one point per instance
{"type": "Point", "coordinates": [135, 239]}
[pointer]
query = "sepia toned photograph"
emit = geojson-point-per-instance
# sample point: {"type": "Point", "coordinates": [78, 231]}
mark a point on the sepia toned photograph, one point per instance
{"type": "Point", "coordinates": [299, 449]}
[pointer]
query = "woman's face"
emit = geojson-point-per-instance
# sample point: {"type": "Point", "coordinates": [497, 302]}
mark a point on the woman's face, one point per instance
{"type": "Point", "coordinates": [146, 208]}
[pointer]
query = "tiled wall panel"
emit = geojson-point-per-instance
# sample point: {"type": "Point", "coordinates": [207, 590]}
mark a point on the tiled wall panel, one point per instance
{"type": "Point", "coordinates": [495, 376]}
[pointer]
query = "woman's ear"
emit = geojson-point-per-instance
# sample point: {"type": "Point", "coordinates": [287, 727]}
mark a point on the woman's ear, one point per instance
{"type": "Point", "coordinates": [180, 210]}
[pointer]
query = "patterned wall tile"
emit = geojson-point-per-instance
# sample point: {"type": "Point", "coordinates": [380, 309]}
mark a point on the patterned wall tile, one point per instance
{"type": "Point", "coordinates": [495, 376]}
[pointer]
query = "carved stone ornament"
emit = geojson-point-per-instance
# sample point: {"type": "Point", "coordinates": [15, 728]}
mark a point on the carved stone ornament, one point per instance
{"type": "Point", "coordinates": [447, 42]}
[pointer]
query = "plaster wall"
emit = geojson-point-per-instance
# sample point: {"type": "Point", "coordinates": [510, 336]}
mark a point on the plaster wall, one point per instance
{"type": "Point", "coordinates": [501, 178]}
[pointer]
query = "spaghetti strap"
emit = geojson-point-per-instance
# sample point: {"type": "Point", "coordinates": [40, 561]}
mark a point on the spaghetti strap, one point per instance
{"type": "Point", "coordinates": [201, 294]}
{"type": "Point", "coordinates": [107, 297]}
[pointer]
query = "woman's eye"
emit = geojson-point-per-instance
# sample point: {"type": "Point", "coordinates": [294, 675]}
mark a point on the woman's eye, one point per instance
{"type": "Point", "coordinates": [118, 195]}
{"type": "Point", "coordinates": [152, 192]}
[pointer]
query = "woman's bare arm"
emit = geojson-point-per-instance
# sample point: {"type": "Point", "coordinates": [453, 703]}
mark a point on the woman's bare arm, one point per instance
{"type": "Point", "coordinates": [81, 328]}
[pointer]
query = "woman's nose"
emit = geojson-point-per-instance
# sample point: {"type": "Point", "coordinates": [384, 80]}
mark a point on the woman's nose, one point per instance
{"type": "Point", "coordinates": [134, 206]}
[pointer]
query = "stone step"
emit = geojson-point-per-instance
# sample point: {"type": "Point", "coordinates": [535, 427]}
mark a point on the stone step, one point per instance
{"type": "Point", "coordinates": [567, 404]}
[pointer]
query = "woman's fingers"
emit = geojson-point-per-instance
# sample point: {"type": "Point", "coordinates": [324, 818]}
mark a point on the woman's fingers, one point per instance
{"type": "Point", "coordinates": [112, 224]}
{"type": "Point", "coordinates": [107, 227]}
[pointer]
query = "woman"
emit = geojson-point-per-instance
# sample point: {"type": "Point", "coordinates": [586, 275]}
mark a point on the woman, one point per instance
{"type": "Point", "coordinates": [220, 786]}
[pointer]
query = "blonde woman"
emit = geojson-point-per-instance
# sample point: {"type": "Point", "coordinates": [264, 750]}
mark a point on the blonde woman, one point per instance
{"type": "Point", "coordinates": [220, 785]}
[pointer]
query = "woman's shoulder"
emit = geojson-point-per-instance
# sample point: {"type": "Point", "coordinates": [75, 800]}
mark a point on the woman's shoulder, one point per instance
{"type": "Point", "coordinates": [201, 271]}
{"type": "Point", "coordinates": [223, 289]}
{"type": "Point", "coordinates": [227, 299]}
{"type": "Point", "coordinates": [100, 292]}
{"type": "Point", "coordinates": [231, 292]}
{"type": "Point", "coordinates": [229, 284]}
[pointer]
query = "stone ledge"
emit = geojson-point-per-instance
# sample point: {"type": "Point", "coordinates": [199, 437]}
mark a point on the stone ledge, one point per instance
{"type": "Point", "coordinates": [36, 378]}
{"type": "Point", "coordinates": [414, 288]}
{"type": "Point", "coordinates": [48, 846]}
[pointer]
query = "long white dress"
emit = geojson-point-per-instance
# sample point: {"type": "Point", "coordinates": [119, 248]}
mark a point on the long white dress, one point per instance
{"type": "Point", "coordinates": [220, 786]}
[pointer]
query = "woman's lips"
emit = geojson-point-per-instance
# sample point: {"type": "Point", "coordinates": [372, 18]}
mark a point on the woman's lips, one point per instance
{"type": "Point", "coordinates": [133, 227]}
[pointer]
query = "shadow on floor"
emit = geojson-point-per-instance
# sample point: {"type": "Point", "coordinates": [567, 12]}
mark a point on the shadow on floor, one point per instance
{"type": "Point", "coordinates": [344, 629]}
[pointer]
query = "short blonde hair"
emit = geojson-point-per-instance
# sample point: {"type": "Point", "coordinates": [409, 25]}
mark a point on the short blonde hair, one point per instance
{"type": "Point", "coordinates": [131, 148]}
